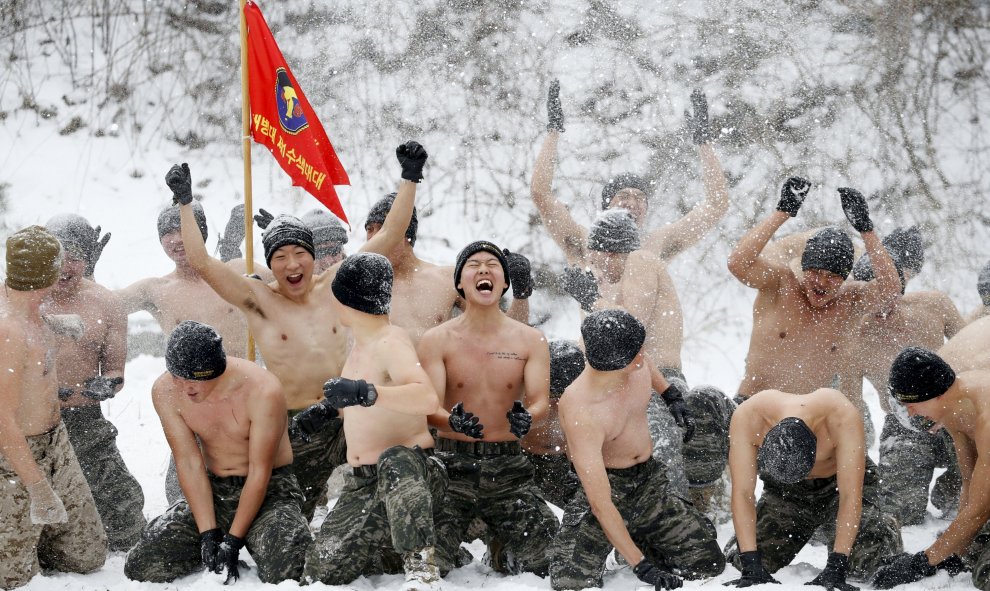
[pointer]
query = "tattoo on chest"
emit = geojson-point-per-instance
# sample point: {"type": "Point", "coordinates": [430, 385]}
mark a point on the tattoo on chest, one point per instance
{"type": "Point", "coordinates": [505, 355]}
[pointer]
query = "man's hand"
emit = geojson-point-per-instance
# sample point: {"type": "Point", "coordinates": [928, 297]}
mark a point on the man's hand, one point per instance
{"type": "Point", "coordinates": [679, 410]}
{"type": "Point", "coordinates": [227, 556]}
{"type": "Point", "coordinates": [101, 387]}
{"type": "Point", "coordinates": [98, 245]}
{"type": "Point", "coordinates": [555, 111]}
{"type": "Point", "coordinates": [342, 392]}
{"type": "Point", "coordinates": [233, 235]}
{"type": "Point", "coordinates": [697, 122]}
{"type": "Point", "coordinates": [519, 419]}
{"type": "Point", "coordinates": [520, 275]}
{"type": "Point", "coordinates": [209, 547]}
{"type": "Point", "coordinates": [46, 507]}
{"type": "Point", "coordinates": [263, 218]}
{"type": "Point", "coordinates": [792, 195]}
{"type": "Point", "coordinates": [582, 286]}
{"type": "Point", "coordinates": [465, 423]}
{"type": "Point", "coordinates": [312, 420]}
{"type": "Point", "coordinates": [902, 569]}
{"type": "Point", "coordinates": [856, 210]}
{"type": "Point", "coordinates": [180, 181]}
{"type": "Point", "coordinates": [753, 573]}
{"type": "Point", "coordinates": [834, 575]}
{"type": "Point", "coordinates": [660, 579]}
{"type": "Point", "coordinates": [412, 158]}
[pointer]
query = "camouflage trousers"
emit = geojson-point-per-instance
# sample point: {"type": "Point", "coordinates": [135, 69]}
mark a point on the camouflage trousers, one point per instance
{"type": "Point", "coordinates": [554, 475]}
{"type": "Point", "coordinates": [385, 510]}
{"type": "Point", "coordinates": [78, 546]}
{"type": "Point", "coordinates": [313, 462]}
{"type": "Point", "coordinates": [118, 496]}
{"type": "Point", "coordinates": [277, 539]}
{"type": "Point", "coordinates": [907, 461]}
{"type": "Point", "coordinates": [699, 463]}
{"type": "Point", "coordinates": [493, 481]}
{"type": "Point", "coordinates": [977, 557]}
{"type": "Point", "coordinates": [666, 528]}
{"type": "Point", "coordinates": [788, 515]}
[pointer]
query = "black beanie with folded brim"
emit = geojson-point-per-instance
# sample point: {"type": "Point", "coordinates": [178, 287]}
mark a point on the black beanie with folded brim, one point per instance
{"type": "Point", "coordinates": [287, 230]}
{"type": "Point", "coordinates": [614, 231]}
{"type": "Point", "coordinates": [476, 247]}
{"type": "Point", "coordinates": [788, 452]}
{"type": "Point", "coordinates": [830, 249]}
{"type": "Point", "coordinates": [364, 282]}
{"type": "Point", "coordinates": [195, 352]}
{"type": "Point", "coordinates": [612, 339]}
{"type": "Point", "coordinates": [917, 375]}
{"type": "Point", "coordinates": [169, 220]}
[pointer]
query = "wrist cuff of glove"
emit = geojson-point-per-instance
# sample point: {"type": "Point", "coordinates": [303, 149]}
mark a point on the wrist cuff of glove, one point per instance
{"type": "Point", "coordinates": [788, 211]}
{"type": "Point", "coordinates": [372, 396]}
{"type": "Point", "coordinates": [414, 176]}
{"type": "Point", "coordinates": [920, 561]}
{"type": "Point", "coordinates": [233, 541]}
{"type": "Point", "coordinates": [864, 226]}
{"type": "Point", "coordinates": [182, 199]}
{"type": "Point", "coordinates": [838, 560]}
{"type": "Point", "coordinates": [672, 394]}
{"type": "Point", "coordinates": [522, 294]}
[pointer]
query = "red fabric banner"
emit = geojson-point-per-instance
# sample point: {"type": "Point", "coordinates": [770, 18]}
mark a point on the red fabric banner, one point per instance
{"type": "Point", "coordinates": [283, 120]}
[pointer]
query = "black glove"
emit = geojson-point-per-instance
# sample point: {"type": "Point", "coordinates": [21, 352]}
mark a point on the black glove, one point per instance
{"type": "Point", "coordinates": [555, 111]}
{"type": "Point", "coordinates": [233, 235]}
{"type": "Point", "coordinates": [412, 158]}
{"type": "Point", "coordinates": [660, 579]}
{"type": "Point", "coordinates": [65, 393]}
{"type": "Point", "coordinates": [342, 392]}
{"type": "Point", "coordinates": [209, 546]}
{"type": "Point", "coordinates": [697, 122]}
{"type": "Point", "coordinates": [179, 180]}
{"type": "Point", "coordinates": [101, 387]}
{"type": "Point", "coordinates": [792, 195]}
{"type": "Point", "coordinates": [230, 548]}
{"type": "Point", "coordinates": [902, 569]}
{"type": "Point", "coordinates": [953, 565]}
{"type": "Point", "coordinates": [98, 245]}
{"type": "Point", "coordinates": [856, 210]}
{"type": "Point", "coordinates": [519, 419]}
{"type": "Point", "coordinates": [520, 275]}
{"type": "Point", "coordinates": [753, 573]}
{"type": "Point", "coordinates": [312, 420]}
{"type": "Point", "coordinates": [582, 286]}
{"type": "Point", "coordinates": [679, 410]}
{"type": "Point", "coordinates": [834, 575]}
{"type": "Point", "coordinates": [263, 219]}
{"type": "Point", "coordinates": [464, 422]}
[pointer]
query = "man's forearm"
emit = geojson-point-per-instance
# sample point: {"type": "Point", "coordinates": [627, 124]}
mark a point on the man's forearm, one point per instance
{"type": "Point", "coordinates": [198, 491]}
{"type": "Point", "coordinates": [744, 523]}
{"type": "Point", "coordinates": [252, 497]}
{"type": "Point", "coordinates": [847, 524]}
{"type": "Point", "coordinates": [753, 242]}
{"type": "Point", "coordinates": [615, 530]}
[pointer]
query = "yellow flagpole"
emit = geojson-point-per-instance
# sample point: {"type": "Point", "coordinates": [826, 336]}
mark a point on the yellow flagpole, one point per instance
{"type": "Point", "coordinates": [246, 150]}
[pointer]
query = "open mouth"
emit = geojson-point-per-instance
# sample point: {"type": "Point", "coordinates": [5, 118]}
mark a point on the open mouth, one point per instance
{"type": "Point", "coordinates": [484, 286]}
{"type": "Point", "coordinates": [294, 279]}
{"type": "Point", "coordinates": [819, 292]}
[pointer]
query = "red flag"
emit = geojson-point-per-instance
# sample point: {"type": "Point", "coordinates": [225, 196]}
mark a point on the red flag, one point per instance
{"type": "Point", "coordinates": [283, 120]}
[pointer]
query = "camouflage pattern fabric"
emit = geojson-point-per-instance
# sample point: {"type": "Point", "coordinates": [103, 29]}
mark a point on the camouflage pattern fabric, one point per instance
{"type": "Point", "coordinates": [554, 475]}
{"type": "Point", "coordinates": [977, 558]}
{"type": "Point", "coordinates": [118, 496]}
{"type": "Point", "coordinates": [315, 461]}
{"type": "Point", "coordinates": [384, 511]}
{"type": "Point", "coordinates": [493, 481]}
{"type": "Point", "coordinates": [907, 462]}
{"type": "Point", "coordinates": [277, 539]}
{"type": "Point", "coordinates": [78, 546]}
{"type": "Point", "coordinates": [787, 516]}
{"type": "Point", "coordinates": [667, 529]}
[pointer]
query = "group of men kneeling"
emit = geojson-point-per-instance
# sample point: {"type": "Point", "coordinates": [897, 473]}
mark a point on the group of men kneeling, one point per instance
{"type": "Point", "coordinates": [436, 431]}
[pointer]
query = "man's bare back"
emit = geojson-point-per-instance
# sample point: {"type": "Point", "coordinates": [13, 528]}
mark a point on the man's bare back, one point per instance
{"type": "Point", "coordinates": [969, 348]}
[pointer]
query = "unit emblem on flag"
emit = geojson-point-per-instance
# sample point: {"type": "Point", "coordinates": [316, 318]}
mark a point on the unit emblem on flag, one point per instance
{"type": "Point", "coordinates": [290, 113]}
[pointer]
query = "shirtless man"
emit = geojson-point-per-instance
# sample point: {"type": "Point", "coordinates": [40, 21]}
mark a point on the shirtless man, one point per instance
{"type": "Point", "coordinates": [384, 397]}
{"type": "Point", "coordinates": [652, 296]}
{"type": "Point", "coordinates": [809, 451]}
{"type": "Point", "coordinates": [91, 370]}
{"type": "Point", "coordinates": [907, 457]}
{"type": "Point", "coordinates": [329, 237]}
{"type": "Point", "coordinates": [545, 445]}
{"type": "Point", "coordinates": [806, 324]}
{"type": "Point", "coordinates": [924, 384]}
{"type": "Point", "coordinates": [625, 501]}
{"type": "Point", "coordinates": [422, 297]}
{"type": "Point", "coordinates": [493, 373]}
{"type": "Point", "coordinates": [293, 318]}
{"type": "Point", "coordinates": [225, 420]}
{"type": "Point", "coordinates": [49, 517]}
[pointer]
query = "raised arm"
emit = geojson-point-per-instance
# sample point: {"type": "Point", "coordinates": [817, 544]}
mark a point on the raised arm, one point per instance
{"type": "Point", "coordinates": [880, 294]}
{"type": "Point", "coordinates": [746, 262]}
{"type": "Point", "coordinates": [412, 158]}
{"type": "Point", "coordinates": [136, 297]}
{"type": "Point", "coordinates": [672, 239]}
{"type": "Point", "coordinates": [189, 464]}
{"type": "Point", "coordinates": [267, 414]}
{"type": "Point", "coordinates": [568, 234]}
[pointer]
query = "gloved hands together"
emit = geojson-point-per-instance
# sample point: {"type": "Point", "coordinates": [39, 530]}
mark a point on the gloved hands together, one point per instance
{"type": "Point", "coordinates": [520, 275]}
{"type": "Point", "coordinates": [412, 158]}
{"type": "Point", "coordinates": [792, 195]}
{"type": "Point", "coordinates": [464, 422]}
{"type": "Point", "coordinates": [674, 399]}
{"type": "Point", "coordinates": [519, 419]}
{"type": "Point", "coordinates": [179, 181]}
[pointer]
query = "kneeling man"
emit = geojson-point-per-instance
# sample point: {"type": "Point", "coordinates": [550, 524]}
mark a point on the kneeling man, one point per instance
{"type": "Point", "coordinates": [239, 490]}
